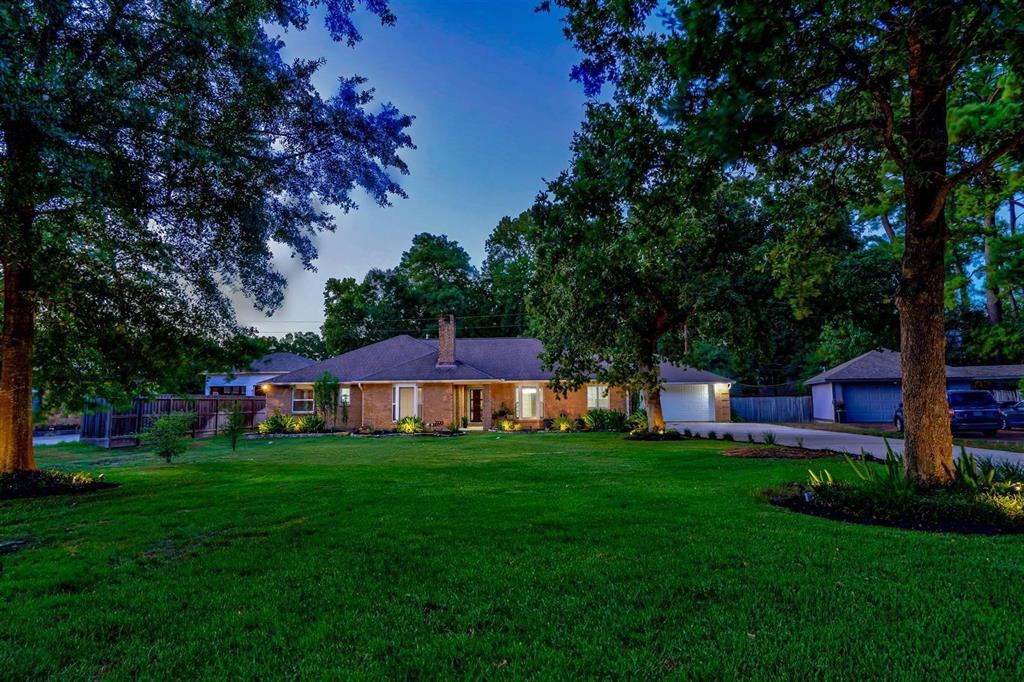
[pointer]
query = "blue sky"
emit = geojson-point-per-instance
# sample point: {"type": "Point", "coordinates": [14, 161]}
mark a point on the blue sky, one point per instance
{"type": "Point", "coordinates": [488, 83]}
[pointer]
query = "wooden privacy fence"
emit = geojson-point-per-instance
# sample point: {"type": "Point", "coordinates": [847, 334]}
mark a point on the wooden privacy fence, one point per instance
{"type": "Point", "coordinates": [108, 428]}
{"type": "Point", "coordinates": [773, 409]}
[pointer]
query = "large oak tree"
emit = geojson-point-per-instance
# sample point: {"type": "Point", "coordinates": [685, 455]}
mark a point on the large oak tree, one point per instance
{"type": "Point", "coordinates": [851, 81]}
{"type": "Point", "coordinates": [150, 151]}
{"type": "Point", "coordinates": [635, 244]}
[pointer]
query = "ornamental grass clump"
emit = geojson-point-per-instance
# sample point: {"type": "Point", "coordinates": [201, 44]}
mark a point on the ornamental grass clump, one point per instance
{"type": "Point", "coordinates": [277, 423]}
{"type": "Point", "coordinates": [410, 424]}
{"type": "Point", "coordinates": [310, 423]}
{"type": "Point", "coordinates": [563, 423]}
{"type": "Point", "coordinates": [508, 425]}
{"type": "Point", "coordinates": [637, 420]}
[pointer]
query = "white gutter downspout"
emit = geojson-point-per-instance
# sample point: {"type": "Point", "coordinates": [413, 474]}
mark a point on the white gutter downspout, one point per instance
{"type": "Point", "coordinates": [362, 402]}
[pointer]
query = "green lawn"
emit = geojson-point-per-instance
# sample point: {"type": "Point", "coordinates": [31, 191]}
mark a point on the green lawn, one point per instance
{"type": "Point", "coordinates": [519, 555]}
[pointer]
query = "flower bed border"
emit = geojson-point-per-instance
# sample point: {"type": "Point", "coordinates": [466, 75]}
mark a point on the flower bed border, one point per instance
{"type": "Point", "coordinates": [792, 497]}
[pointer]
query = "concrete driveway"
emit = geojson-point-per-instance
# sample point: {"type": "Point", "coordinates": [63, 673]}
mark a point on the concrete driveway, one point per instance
{"type": "Point", "coordinates": [851, 443]}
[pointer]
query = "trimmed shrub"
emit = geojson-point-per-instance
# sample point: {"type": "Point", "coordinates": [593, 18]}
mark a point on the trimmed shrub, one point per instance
{"type": "Point", "coordinates": [277, 423]}
{"type": "Point", "coordinates": [508, 425]}
{"type": "Point", "coordinates": [310, 423]}
{"type": "Point", "coordinates": [503, 412]}
{"type": "Point", "coordinates": [563, 422]}
{"type": "Point", "coordinates": [168, 435]}
{"type": "Point", "coordinates": [410, 424]}
{"type": "Point", "coordinates": [637, 420]}
{"type": "Point", "coordinates": [600, 419]}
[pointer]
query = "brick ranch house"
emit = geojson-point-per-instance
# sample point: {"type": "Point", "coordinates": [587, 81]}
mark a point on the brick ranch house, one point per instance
{"type": "Point", "coordinates": [446, 379]}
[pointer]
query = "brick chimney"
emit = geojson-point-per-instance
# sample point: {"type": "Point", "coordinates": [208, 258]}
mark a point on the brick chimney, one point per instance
{"type": "Point", "coordinates": [446, 341]}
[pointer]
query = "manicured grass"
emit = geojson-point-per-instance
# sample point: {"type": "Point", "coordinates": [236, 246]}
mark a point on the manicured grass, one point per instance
{"type": "Point", "coordinates": [487, 556]}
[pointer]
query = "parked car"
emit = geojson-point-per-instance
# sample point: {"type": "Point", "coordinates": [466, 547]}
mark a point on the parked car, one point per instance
{"type": "Point", "coordinates": [1013, 416]}
{"type": "Point", "coordinates": [968, 411]}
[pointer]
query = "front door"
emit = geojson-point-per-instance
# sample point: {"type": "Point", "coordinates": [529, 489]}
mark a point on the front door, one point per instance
{"type": "Point", "coordinates": [476, 405]}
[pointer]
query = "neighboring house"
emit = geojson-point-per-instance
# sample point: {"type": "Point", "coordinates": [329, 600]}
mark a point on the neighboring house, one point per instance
{"type": "Point", "coordinates": [1002, 380]}
{"type": "Point", "coordinates": [448, 380]}
{"type": "Point", "coordinates": [252, 379]}
{"type": "Point", "coordinates": [868, 388]}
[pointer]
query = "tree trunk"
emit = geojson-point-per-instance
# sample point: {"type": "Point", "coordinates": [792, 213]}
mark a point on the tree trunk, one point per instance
{"type": "Point", "coordinates": [655, 419]}
{"type": "Point", "coordinates": [19, 245]}
{"type": "Point", "coordinates": [928, 452]}
{"type": "Point", "coordinates": [993, 303]}
{"type": "Point", "coordinates": [16, 371]}
{"type": "Point", "coordinates": [887, 226]}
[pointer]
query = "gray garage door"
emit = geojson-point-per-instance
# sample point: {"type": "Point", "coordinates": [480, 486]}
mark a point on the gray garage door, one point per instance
{"type": "Point", "coordinates": [871, 402]}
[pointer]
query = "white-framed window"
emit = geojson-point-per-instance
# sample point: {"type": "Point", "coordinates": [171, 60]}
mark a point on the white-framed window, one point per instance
{"type": "Point", "coordinates": [302, 400]}
{"type": "Point", "coordinates": [529, 402]}
{"type": "Point", "coordinates": [345, 397]}
{"type": "Point", "coordinates": [406, 401]}
{"type": "Point", "coordinates": [597, 397]}
{"type": "Point", "coordinates": [227, 390]}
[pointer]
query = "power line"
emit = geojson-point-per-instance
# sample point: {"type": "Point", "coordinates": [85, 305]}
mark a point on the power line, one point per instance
{"type": "Point", "coordinates": [397, 319]}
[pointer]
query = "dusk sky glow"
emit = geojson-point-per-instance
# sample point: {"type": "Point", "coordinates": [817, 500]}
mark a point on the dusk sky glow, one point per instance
{"type": "Point", "coordinates": [488, 83]}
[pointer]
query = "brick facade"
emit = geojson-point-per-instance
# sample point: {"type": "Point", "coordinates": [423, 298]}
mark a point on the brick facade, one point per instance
{"type": "Point", "coordinates": [373, 405]}
{"type": "Point", "coordinates": [279, 399]}
{"type": "Point", "coordinates": [377, 409]}
{"type": "Point", "coordinates": [438, 404]}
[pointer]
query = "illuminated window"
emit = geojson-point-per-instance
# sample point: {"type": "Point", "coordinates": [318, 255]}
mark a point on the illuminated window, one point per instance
{"type": "Point", "coordinates": [346, 395]}
{"type": "Point", "coordinates": [597, 397]}
{"type": "Point", "coordinates": [529, 402]}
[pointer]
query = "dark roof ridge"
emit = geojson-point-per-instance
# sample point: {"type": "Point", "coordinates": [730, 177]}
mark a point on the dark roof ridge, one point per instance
{"type": "Point", "coordinates": [369, 377]}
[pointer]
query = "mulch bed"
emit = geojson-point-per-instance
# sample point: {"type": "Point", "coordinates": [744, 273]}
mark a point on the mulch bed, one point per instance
{"type": "Point", "coordinates": [779, 452]}
{"type": "Point", "coordinates": [266, 436]}
{"type": "Point", "coordinates": [424, 434]}
{"type": "Point", "coordinates": [792, 498]}
{"type": "Point", "coordinates": [46, 482]}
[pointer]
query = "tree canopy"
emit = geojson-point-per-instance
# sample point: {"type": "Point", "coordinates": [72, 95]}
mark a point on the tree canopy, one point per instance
{"type": "Point", "coordinates": [837, 98]}
{"type": "Point", "coordinates": [636, 243]}
{"type": "Point", "coordinates": [434, 277]}
{"type": "Point", "coordinates": [150, 153]}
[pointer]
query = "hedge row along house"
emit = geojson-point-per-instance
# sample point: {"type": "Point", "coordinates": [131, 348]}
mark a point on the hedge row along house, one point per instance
{"type": "Point", "coordinates": [474, 381]}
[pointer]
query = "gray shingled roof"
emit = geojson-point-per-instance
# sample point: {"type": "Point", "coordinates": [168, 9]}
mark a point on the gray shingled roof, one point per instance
{"type": "Point", "coordinates": [991, 372]}
{"type": "Point", "coordinates": [276, 362]}
{"type": "Point", "coordinates": [875, 365]}
{"type": "Point", "coordinates": [675, 374]}
{"type": "Point", "coordinates": [404, 358]}
{"type": "Point", "coordinates": [884, 365]}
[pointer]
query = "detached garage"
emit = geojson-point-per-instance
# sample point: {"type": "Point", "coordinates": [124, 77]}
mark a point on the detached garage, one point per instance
{"type": "Point", "coordinates": [866, 389]}
{"type": "Point", "coordinates": [693, 395]}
